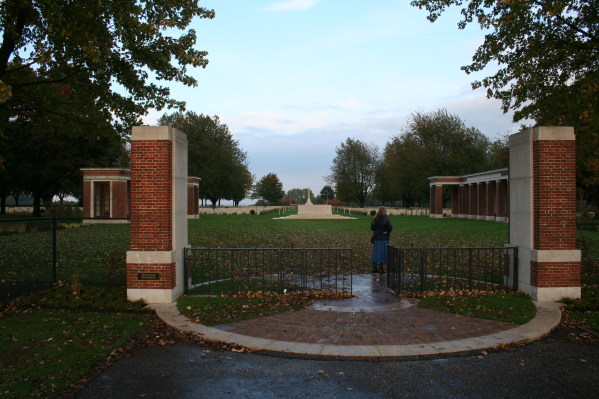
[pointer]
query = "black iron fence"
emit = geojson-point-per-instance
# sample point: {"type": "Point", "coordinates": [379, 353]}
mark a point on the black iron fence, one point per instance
{"type": "Point", "coordinates": [35, 252]}
{"type": "Point", "coordinates": [424, 269]}
{"type": "Point", "coordinates": [213, 271]}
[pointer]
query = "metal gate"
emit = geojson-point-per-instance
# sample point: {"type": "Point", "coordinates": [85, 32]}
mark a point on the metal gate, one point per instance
{"type": "Point", "coordinates": [424, 269]}
{"type": "Point", "coordinates": [215, 271]}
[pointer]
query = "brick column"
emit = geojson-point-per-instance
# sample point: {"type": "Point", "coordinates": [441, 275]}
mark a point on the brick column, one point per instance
{"type": "Point", "coordinates": [455, 201]}
{"type": "Point", "coordinates": [490, 201]}
{"type": "Point", "coordinates": [481, 197]}
{"type": "Point", "coordinates": [472, 208]}
{"type": "Point", "coordinates": [542, 212]}
{"type": "Point", "coordinates": [465, 201]}
{"type": "Point", "coordinates": [158, 214]}
{"type": "Point", "coordinates": [193, 196]}
{"type": "Point", "coordinates": [501, 201]}
{"type": "Point", "coordinates": [436, 199]}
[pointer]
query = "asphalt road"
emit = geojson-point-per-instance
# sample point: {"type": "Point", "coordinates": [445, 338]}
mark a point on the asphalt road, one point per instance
{"type": "Point", "coordinates": [553, 367]}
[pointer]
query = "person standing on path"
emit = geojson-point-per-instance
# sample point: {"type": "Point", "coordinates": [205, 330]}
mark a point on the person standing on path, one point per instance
{"type": "Point", "coordinates": [380, 238]}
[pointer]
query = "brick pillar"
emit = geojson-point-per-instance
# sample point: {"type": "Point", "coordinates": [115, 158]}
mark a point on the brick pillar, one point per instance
{"type": "Point", "coordinates": [455, 201]}
{"type": "Point", "coordinates": [87, 198]}
{"type": "Point", "coordinates": [490, 201]}
{"type": "Point", "coordinates": [501, 201]}
{"type": "Point", "coordinates": [436, 199]}
{"type": "Point", "coordinates": [473, 208]}
{"type": "Point", "coordinates": [193, 196]}
{"type": "Point", "coordinates": [542, 212]}
{"type": "Point", "coordinates": [465, 201]}
{"type": "Point", "coordinates": [158, 214]}
{"type": "Point", "coordinates": [480, 203]}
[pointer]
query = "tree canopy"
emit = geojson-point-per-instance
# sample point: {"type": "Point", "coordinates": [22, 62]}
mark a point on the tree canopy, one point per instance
{"type": "Point", "coordinates": [434, 144]}
{"type": "Point", "coordinates": [541, 46]}
{"type": "Point", "coordinates": [120, 49]}
{"type": "Point", "coordinates": [326, 194]}
{"type": "Point", "coordinates": [299, 195]}
{"type": "Point", "coordinates": [354, 169]}
{"type": "Point", "coordinates": [214, 156]}
{"type": "Point", "coordinates": [44, 150]}
{"type": "Point", "coordinates": [548, 57]}
{"type": "Point", "coordinates": [76, 75]}
{"type": "Point", "coordinates": [269, 188]}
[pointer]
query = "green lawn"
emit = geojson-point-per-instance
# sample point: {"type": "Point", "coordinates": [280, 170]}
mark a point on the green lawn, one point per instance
{"type": "Point", "coordinates": [97, 252]}
{"type": "Point", "coordinates": [53, 339]}
{"type": "Point", "coordinates": [251, 231]}
{"type": "Point", "coordinates": [510, 308]}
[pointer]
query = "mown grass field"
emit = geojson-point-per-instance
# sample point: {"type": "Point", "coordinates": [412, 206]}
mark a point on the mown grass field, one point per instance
{"type": "Point", "coordinates": [96, 253]}
{"type": "Point", "coordinates": [51, 341]}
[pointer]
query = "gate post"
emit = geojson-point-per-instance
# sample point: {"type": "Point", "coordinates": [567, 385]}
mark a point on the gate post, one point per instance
{"type": "Point", "coordinates": [542, 208]}
{"type": "Point", "coordinates": [155, 270]}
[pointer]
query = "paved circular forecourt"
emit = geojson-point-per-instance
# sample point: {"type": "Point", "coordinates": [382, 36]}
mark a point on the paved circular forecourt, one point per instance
{"type": "Point", "coordinates": [375, 323]}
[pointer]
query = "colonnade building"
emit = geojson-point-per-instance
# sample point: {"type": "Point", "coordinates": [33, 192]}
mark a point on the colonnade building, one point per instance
{"type": "Point", "coordinates": [107, 192]}
{"type": "Point", "coordinates": [480, 195]}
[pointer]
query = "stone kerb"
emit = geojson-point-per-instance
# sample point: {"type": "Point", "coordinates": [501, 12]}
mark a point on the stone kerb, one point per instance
{"type": "Point", "coordinates": [158, 214]}
{"type": "Point", "coordinates": [542, 199]}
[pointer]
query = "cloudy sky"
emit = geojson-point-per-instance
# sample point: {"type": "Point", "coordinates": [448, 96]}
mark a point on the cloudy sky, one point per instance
{"type": "Point", "coordinates": [293, 79]}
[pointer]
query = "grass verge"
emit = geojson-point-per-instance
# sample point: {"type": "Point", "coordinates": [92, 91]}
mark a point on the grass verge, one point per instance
{"type": "Point", "coordinates": [212, 311]}
{"type": "Point", "coordinates": [585, 311]}
{"type": "Point", "coordinates": [507, 307]}
{"type": "Point", "coordinates": [52, 340]}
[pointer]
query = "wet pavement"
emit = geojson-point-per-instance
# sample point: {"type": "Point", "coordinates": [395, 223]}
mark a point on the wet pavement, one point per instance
{"type": "Point", "coordinates": [374, 316]}
{"type": "Point", "coordinates": [373, 324]}
{"type": "Point", "coordinates": [553, 367]}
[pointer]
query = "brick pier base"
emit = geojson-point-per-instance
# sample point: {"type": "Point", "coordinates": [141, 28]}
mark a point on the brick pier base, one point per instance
{"type": "Point", "coordinates": [158, 214]}
{"type": "Point", "coordinates": [542, 206]}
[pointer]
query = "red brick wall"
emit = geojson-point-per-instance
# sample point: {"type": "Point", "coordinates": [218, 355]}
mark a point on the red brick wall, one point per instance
{"type": "Point", "coordinates": [166, 273]}
{"type": "Point", "coordinates": [192, 200]}
{"type": "Point", "coordinates": [438, 200]}
{"type": "Point", "coordinates": [554, 171]}
{"type": "Point", "coordinates": [465, 201]}
{"type": "Point", "coordinates": [455, 200]}
{"type": "Point", "coordinates": [558, 274]}
{"type": "Point", "coordinates": [481, 194]}
{"type": "Point", "coordinates": [473, 208]}
{"type": "Point", "coordinates": [87, 199]}
{"type": "Point", "coordinates": [119, 199]}
{"type": "Point", "coordinates": [151, 195]}
{"type": "Point", "coordinates": [502, 196]}
{"type": "Point", "coordinates": [490, 198]}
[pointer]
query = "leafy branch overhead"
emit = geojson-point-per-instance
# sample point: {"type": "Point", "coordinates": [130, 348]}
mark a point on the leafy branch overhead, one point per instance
{"type": "Point", "coordinates": [214, 156]}
{"type": "Point", "coordinates": [546, 57]}
{"type": "Point", "coordinates": [541, 46]}
{"type": "Point", "coordinates": [125, 48]}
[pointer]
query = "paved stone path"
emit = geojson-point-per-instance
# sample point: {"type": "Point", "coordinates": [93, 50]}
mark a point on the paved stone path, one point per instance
{"type": "Point", "coordinates": [374, 323]}
{"type": "Point", "coordinates": [374, 317]}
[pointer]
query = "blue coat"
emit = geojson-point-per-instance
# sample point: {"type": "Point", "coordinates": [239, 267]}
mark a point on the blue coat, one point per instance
{"type": "Point", "coordinates": [382, 228]}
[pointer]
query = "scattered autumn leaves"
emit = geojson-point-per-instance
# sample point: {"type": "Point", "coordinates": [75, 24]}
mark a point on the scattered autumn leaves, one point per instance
{"type": "Point", "coordinates": [513, 307]}
{"type": "Point", "coordinates": [226, 309]}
